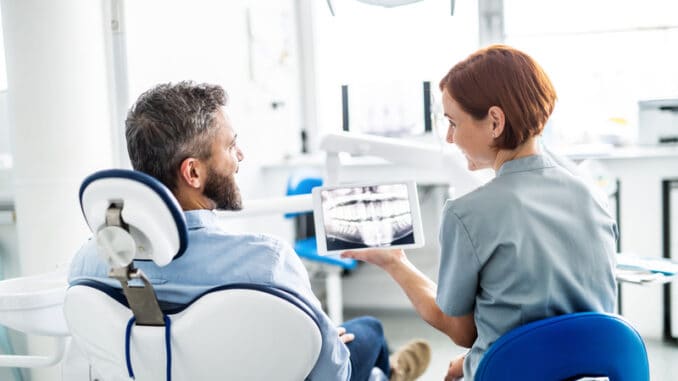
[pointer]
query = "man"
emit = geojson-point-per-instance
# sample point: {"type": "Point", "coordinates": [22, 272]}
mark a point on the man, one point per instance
{"type": "Point", "coordinates": [181, 135]}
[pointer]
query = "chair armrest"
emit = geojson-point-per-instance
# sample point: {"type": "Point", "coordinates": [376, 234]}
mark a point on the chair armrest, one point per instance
{"type": "Point", "coordinates": [26, 361]}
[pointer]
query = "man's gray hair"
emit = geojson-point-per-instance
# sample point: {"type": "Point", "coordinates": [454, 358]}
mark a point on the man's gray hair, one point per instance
{"type": "Point", "coordinates": [170, 123]}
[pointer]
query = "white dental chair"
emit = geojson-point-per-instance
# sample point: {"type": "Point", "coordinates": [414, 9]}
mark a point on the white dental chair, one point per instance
{"type": "Point", "coordinates": [232, 332]}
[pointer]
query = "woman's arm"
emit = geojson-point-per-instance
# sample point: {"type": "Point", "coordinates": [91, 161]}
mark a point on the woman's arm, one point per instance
{"type": "Point", "coordinates": [422, 293]}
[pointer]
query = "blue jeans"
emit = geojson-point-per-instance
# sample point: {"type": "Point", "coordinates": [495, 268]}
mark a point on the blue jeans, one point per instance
{"type": "Point", "coordinates": [368, 349]}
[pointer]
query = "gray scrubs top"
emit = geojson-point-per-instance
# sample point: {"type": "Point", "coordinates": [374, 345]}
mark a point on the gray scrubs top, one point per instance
{"type": "Point", "coordinates": [533, 243]}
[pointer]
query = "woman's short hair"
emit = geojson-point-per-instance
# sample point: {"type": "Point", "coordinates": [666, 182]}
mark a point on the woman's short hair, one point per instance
{"type": "Point", "coordinates": [502, 76]}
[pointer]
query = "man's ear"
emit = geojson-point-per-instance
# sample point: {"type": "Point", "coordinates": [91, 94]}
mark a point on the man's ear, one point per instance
{"type": "Point", "coordinates": [498, 120]}
{"type": "Point", "coordinates": [192, 173]}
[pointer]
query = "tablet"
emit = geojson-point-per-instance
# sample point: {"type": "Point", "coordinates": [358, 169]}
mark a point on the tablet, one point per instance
{"type": "Point", "coordinates": [364, 216]}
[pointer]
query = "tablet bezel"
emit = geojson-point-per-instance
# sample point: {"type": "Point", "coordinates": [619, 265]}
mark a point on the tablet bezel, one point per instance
{"type": "Point", "coordinates": [413, 201]}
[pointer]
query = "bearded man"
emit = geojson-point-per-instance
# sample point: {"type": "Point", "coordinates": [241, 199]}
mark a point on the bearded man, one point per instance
{"type": "Point", "coordinates": [182, 135]}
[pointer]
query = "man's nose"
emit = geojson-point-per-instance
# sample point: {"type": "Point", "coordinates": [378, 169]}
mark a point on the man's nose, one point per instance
{"type": "Point", "coordinates": [450, 135]}
{"type": "Point", "coordinates": [240, 155]}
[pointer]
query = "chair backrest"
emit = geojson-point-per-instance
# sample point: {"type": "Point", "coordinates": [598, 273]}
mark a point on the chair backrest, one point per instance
{"type": "Point", "coordinates": [232, 332]}
{"type": "Point", "coordinates": [236, 332]}
{"type": "Point", "coordinates": [567, 347]}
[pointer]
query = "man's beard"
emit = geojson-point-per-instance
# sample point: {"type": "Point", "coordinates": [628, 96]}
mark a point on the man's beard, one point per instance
{"type": "Point", "coordinates": [223, 191]}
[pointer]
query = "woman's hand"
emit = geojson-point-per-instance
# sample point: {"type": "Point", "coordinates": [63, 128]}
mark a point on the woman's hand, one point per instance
{"type": "Point", "coordinates": [383, 258]}
{"type": "Point", "coordinates": [456, 369]}
{"type": "Point", "coordinates": [345, 337]}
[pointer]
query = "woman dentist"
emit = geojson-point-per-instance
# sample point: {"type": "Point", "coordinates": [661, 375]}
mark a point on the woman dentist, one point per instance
{"type": "Point", "coordinates": [532, 243]}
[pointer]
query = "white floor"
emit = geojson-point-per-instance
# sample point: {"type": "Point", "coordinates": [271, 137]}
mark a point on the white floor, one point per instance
{"type": "Point", "coordinates": [402, 326]}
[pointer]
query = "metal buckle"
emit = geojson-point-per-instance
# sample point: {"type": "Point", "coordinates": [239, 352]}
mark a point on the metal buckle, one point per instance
{"type": "Point", "coordinates": [142, 299]}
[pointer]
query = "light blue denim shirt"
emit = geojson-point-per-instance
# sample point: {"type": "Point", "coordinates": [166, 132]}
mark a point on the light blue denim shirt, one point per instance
{"type": "Point", "coordinates": [532, 243]}
{"type": "Point", "coordinates": [213, 258]}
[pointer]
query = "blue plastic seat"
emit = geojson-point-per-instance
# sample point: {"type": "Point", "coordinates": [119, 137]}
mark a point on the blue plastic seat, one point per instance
{"type": "Point", "coordinates": [305, 245]}
{"type": "Point", "coordinates": [568, 347]}
{"type": "Point", "coordinates": [297, 185]}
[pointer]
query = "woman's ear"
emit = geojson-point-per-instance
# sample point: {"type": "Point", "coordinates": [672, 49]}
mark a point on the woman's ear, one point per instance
{"type": "Point", "coordinates": [498, 120]}
{"type": "Point", "coordinates": [191, 172]}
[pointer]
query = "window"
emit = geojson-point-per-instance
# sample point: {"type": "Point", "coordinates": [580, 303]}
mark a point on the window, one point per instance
{"type": "Point", "coordinates": [368, 45]}
{"type": "Point", "coordinates": [603, 57]}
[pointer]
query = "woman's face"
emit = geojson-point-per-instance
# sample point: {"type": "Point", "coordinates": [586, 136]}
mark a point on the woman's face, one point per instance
{"type": "Point", "coordinates": [473, 137]}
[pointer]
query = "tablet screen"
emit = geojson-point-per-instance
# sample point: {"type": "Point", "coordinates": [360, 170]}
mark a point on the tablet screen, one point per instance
{"type": "Point", "coordinates": [367, 216]}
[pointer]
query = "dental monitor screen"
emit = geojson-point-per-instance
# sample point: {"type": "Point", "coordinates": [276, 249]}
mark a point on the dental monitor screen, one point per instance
{"type": "Point", "coordinates": [363, 216]}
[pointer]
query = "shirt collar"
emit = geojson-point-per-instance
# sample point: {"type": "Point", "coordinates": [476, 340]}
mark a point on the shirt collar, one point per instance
{"type": "Point", "coordinates": [523, 164]}
{"type": "Point", "coordinates": [200, 218]}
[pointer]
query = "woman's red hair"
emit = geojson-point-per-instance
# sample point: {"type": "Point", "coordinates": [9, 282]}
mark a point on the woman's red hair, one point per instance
{"type": "Point", "coordinates": [502, 76]}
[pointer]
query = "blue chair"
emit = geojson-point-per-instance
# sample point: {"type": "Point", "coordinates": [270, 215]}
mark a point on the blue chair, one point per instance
{"type": "Point", "coordinates": [305, 244]}
{"type": "Point", "coordinates": [568, 347]}
{"type": "Point", "coordinates": [306, 247]}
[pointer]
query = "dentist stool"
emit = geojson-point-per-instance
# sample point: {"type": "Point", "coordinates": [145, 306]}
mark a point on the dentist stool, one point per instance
{"type": "Point", "coordinates": [232, 332]}
{"type": "Point", "coordinates": [568, 347]}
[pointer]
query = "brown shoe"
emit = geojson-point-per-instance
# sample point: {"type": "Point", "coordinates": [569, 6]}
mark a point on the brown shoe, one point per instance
{"type": "Point", "coordinates": [410, 361]}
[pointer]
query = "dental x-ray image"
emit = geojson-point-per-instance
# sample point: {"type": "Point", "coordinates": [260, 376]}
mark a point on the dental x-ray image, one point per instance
{"type": "Point", "coordinates": [367, 216]}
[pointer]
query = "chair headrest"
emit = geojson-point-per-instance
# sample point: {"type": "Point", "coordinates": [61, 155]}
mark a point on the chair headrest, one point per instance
{"type": "Point", "coordinates": [156, 225]}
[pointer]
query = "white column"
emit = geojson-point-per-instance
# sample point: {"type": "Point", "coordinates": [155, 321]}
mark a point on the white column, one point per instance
{"type": "Point", "coordinates": [308, 72]}
{"type": "Point", "coordinates": [59, 97]}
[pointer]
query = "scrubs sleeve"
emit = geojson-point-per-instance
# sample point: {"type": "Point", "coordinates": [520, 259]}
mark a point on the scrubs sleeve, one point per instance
{"type": "Point", "coordinates": [459, 266]}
